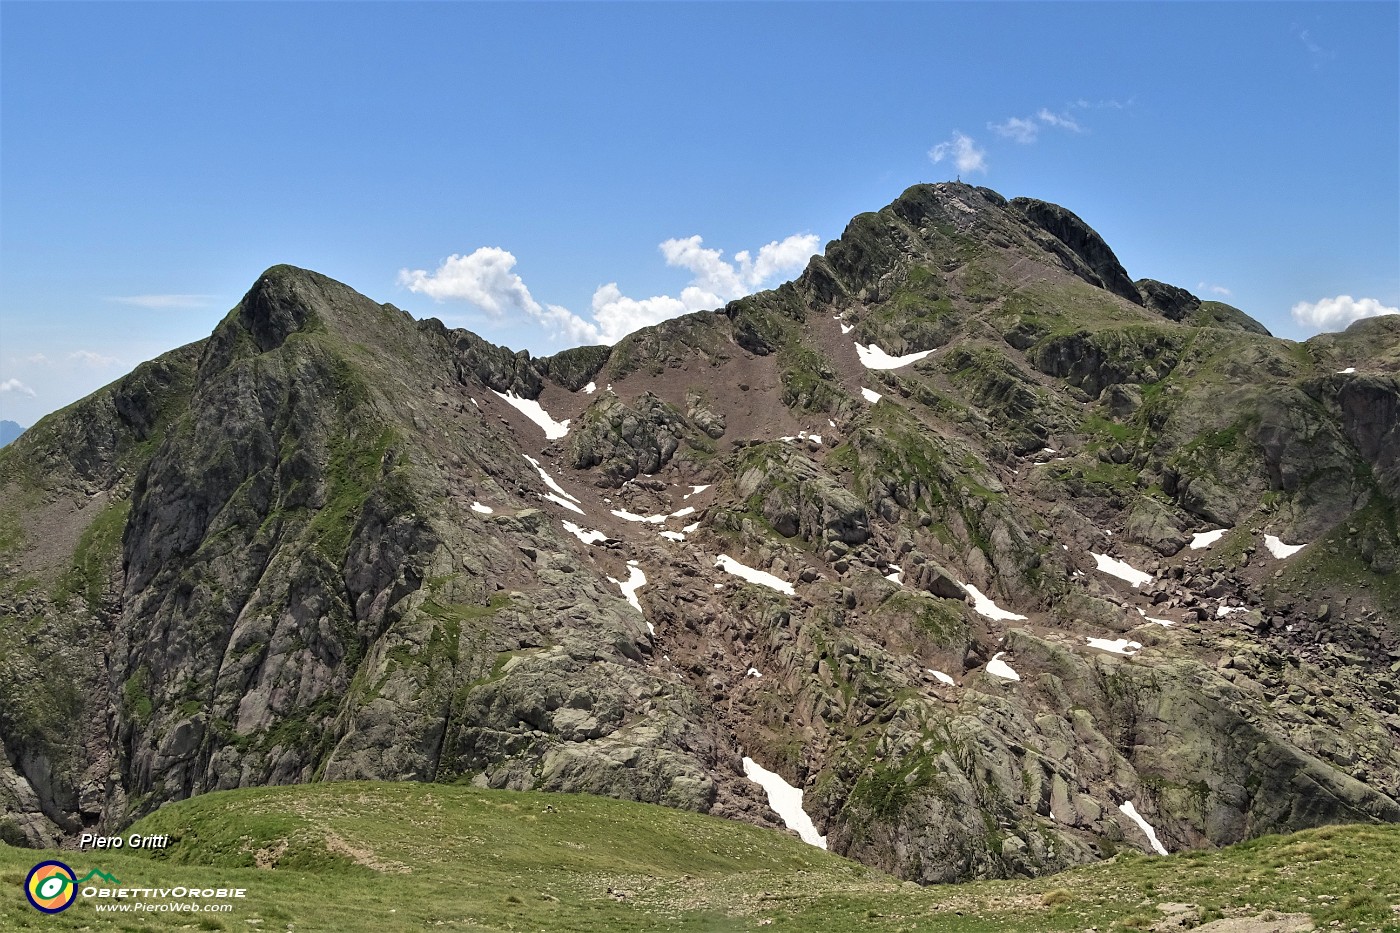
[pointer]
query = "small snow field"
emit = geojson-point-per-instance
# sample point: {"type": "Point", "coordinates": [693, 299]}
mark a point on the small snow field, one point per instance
{"type": "Point", "coordinates": [999, 668]}
{"type": "Point", "coordinates": [560, 500]}
{"type": "Point", "coordinates": [636, 579]}
{"type": "Point", "coordinates": [1224, 610]}
{"type": "Point", "coordinates": [587, 537]}
{"type": "Point", "coordinates": [897, 574]}
{"type": "Point", "coordinates": [875, 358]}
{"type": "Point", "coordinates": [1204, 539]}
{"type": "Point", "coordinates": [696, 490]}
{"type": "Point", "coordinates": [761, 577]}
{"type": "Point", "coordinates": [1279, 549]}
{"type": "Point", "coordinates": [634, 517]}
{"type": "Point", "coordinates": [1162, 622]}
{"type": "Point", "coordinates": [691, 528]}
{"type": "Point", "coordinates": [549, 480]}
{"type": "Point", "coordinates": [870, 395]}
{"type": "Point", "coordinates": [752, 672]}
{"type": "Point", "coordinates": [1116, 646]}
{"type": "Point", "coordinates": [1121, 569]}
{"type": "Point", "coordinates": [553, 430]}
{"type": "Point", "coordinates": [1346, 372]}
{"type": "Point", "coordinates": [786, 801]}
{"type": "Point", "coordinates": [942, 677]}
{"type": "Point", "coordinates": [1130, 811]}
{"type": "Point", "coordinates": [682, 513]}
{"type": "Point", "coordinates": [590, 388]}
{"type": "Point", "coordinates": [672, 535]}
{"type": "Point", "coordinates": [483, 509]}
{"type": "Point", "coordinates": [984, 606]}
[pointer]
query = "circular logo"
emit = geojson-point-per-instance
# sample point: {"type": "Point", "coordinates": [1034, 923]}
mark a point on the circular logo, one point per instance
{"type": "Point", "coordinates": [51, 887]}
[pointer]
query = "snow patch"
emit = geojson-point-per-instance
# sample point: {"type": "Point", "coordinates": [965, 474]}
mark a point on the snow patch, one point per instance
{"type": "Point", "coordinates": [634, 517]}
{"type": "Point", "coordinates": [1121, 569]}
{"type": "Point", "coordinates": [786, 801]}
{"type": "Point", "coordinates": [847, 328]}
{"type": "Point", "coordinates": [1279, 549]}
{"type": "Point", "coordinates": [474, 402]}
{"type": "Point", "coordinates": [870, 395]}
{"type": "Point", "coordinates": [814, 439]}
{"type": "Point", "coordinates": [672, 535]}
{"type": "Point", "coordinates": [587, 537]}
{"type": "Point", "coordinates": [636, 579]}
{"type": "Point", "coordinates": [690, 529]}
{"type": "Point", "coordinates": [1206, 538]}
{"type": "Point", "coordinates": [875, 358]}
{"type": "Point", "coordinates": [1162, 622]}
{"type": "Point", "coordinates": [760, 577]}
{"type": "Point", "coordinates": [1341, 372]}
{"type": "Point", "coordinates": [559, 495]}
{"type": "Point", "coordinates": [999, 668]}
{"type": "Point", "coordinates": [695, 491]}
{"type": "Point", "coordinates": [1116, 645]}
{"type": "Point", "coordinates": [752, 672]}
{"type": "Point", "coordinates": [983, 606]}
{"type": "Point", "coordinates": [483, 509]}
{"type": "Point", "coordinates": [897, 576]}
{"type": "Point", "coordinates": [590, 388]}
{"type": "Point", "coordinates": [1131, 813]}
{"type": "Point", "coordinates": [682, 513]}
{"type": "Point", "coordinates": [1224, 610]}
{"type": "Point", "coordinates": [943, 678]}
{"type": "Point", "coordinates": [535, 412]}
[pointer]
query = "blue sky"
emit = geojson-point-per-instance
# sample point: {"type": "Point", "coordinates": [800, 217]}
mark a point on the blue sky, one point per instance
{"type": "Point", "coordinates": [154, 158]}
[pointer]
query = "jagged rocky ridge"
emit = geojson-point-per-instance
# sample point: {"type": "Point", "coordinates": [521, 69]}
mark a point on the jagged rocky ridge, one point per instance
{"type": "Point", "coordinates": [329, 542]}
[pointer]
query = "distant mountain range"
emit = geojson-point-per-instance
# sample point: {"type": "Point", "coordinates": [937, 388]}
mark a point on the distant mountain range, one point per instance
{"type": "Point", "coordinates": [990, 558]}
{"type": "Point", "coordinates": [9, 431]}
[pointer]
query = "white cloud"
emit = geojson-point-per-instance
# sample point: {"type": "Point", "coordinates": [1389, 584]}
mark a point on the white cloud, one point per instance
{"type": "Point", "coordinates": [1024, 131]}
{"type": "Point", "coordinates": [163, 302]}
{"type": "Point", "coordinates": [95, 360]}
{"type": "Point", "coordinates": [14, 385]}
{"type": "Point", "coordinates": [962, 149]}
{"type": "Point", "coordinates": [38, 359]}
{"type": "Point", "coordinates": [1337, 313]}
{"type": "Point", "coordinates": [1220, 290]}
{"type": "Point", "coordinates": [1063, 121]}
{"type": "Point", "coordinates": [485, 279]}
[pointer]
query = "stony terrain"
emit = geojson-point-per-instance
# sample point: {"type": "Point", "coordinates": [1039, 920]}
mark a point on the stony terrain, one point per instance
{"type": "Point", "coordinates": [963, 467]}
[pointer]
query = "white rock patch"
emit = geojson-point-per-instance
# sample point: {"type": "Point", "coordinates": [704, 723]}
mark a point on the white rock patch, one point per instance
{"type": "Point", "coordinates": [985, 607]}
{"type": "Point", "coordinates": [762, 578]}
{"type": "Point", "coordinates": [483, 509]}
{"type": "Point", "coordinates": [870, 395]}
{"type": "Point", "coordinates": [999, 668]}
{"type": "Point", "coordinates": [1279, 549]}
{"type": "Point", "coordinates": [535, 412]}
{"type": "Point", "coordinates": [875, 358]}
{"type": "Point", "coordinates": [1131, 813]}
{"type": "Point", "coordinates": [1203, 539]}
{"type": "Point", "coordinates": [1121, 569]}
{"type": "Point", "coordinates": [786, 801]}
{"type": "Point", "coordinates": [1116, 645]}
{"type": "Point", "coordinates": [587, 537]}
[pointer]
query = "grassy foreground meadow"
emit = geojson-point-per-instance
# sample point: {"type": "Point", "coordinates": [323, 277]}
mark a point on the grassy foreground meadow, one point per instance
{"type": "Point", "coordinates": [384, 857]}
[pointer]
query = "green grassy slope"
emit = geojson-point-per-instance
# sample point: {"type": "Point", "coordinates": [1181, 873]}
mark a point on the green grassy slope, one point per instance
{"type": "Point", "coordinates": [385, 857]}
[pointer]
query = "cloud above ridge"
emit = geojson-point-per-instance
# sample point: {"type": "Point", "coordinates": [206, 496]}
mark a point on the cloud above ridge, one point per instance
{"type": "Point", "coordinates": [487, 280]}
{"type": "Point", "coordinates": [1337, 313]}
{"type": "Point", "coordinates": [962, 150]}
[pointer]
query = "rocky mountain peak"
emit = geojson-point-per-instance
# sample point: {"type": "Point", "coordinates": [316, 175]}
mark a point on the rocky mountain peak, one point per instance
{"type": "Point", "coordinates": [988, 557]}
